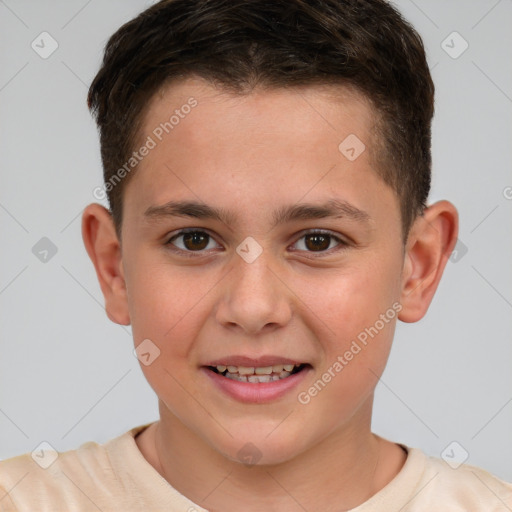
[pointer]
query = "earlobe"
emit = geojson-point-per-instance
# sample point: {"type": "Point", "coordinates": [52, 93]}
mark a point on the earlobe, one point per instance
{"type": "Point", "coordinates": [431, 241]}
{"type": "Point", "coordinates": [102, 245]}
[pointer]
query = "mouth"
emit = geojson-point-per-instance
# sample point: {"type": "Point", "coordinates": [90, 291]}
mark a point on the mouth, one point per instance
{"type": "Point", "coordinates": [258, 374]}
{"type": "Point", "coordinates": [267, 380]}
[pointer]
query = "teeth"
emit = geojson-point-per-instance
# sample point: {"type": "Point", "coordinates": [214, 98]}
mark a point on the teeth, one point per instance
{"type": "Point", "coordinates": [262, 370]}
{"type": "Point", "coordinates": [259, 378]}
{"type": "Point", "coordinates": [235, 376]}
{"type": "Point", "coordinates": [257, 374]}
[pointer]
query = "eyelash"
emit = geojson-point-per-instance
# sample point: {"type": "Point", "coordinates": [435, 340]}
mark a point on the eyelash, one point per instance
{"type": "Point", "coordinates": [193, 254]}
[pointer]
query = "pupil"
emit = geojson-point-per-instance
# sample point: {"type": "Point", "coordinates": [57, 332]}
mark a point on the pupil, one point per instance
{"type": "Point", "coordinates": [196, 238]}
{"type": "Point", "coordinates": [319, 241]}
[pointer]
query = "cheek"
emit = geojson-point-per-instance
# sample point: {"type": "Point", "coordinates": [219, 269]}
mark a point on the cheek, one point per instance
{"type": "Point", "coordinates": [164, 305]}
{"type": "Point", "coordinates": [360, 307]}
{"type": "Point", "coordinates": [354, 300]}
{"type": "Point", "coordinates": [166, 310]}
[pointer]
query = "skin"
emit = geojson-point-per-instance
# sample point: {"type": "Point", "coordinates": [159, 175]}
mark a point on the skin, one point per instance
{"type": "Point", "coordinates": [251, 154]}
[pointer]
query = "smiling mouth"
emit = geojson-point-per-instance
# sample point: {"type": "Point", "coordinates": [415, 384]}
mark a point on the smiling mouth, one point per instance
{"type": "Point", "coordinates": [255, 375]}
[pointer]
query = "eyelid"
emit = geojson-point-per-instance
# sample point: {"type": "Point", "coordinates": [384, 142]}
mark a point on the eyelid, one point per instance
{"type": "Point", "coordinates": [184, 231]}
{"type": "Point", "coordinates": [342, 243]}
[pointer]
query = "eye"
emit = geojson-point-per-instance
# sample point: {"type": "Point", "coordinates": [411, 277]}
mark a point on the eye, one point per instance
{"type": "Point", "coordinates": [189, 241]}
{"type": "Point", "coordinates": [319, 241]}
{"type": "Point", "coordinates": [192, 240]}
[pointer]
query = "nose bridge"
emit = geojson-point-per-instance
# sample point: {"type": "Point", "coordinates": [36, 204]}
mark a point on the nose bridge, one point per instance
{"type": "Point", "coordinates": [255, 277]}
{"type": "Point", "coordinates": [253, 296]}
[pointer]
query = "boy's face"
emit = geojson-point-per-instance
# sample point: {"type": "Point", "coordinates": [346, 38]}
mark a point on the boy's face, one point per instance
{"type": "Point", "coordinates": [305, 299]}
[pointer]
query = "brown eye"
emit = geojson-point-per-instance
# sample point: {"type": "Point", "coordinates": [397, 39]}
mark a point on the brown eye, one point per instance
{"type": "Point", "coordinates": [317, 242]}
{"type": "Point", "coordinates": [195, 240]}
{"type": "Point", "coordinates": [320, 242]}
{"type": "Point", "coordinates": [191, 241]}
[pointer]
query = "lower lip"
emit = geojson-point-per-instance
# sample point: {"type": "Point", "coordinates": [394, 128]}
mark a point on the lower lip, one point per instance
{"type": "Point", "coordinates": [258, 392]}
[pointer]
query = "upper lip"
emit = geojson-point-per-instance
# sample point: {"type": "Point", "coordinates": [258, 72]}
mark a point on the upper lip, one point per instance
{"type": "Point", "coordinates": [249, 362]}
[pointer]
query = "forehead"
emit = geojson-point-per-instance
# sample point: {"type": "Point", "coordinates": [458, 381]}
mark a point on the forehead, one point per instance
{"type": "Point", "coordinates": [193, 115]}
{"type": "Point", "coordinates": [330, 105]}
{"type": "Point", "coordinates": [271, 146]}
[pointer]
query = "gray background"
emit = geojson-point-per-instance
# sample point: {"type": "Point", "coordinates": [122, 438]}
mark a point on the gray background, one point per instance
{"type": "Point", "coordinates": [68, 375]}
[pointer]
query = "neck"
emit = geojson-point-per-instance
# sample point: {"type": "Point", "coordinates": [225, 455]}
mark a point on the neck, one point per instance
{"type": "Point", "coordinates": [340, 472]}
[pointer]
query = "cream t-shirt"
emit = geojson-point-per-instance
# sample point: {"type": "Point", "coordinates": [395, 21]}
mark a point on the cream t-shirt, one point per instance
{"type": "Point", "coordinates": [115, 476]}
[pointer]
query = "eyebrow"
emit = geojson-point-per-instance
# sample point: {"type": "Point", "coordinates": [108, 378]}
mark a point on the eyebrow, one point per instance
{"type": "Point", "coordinates": [335, 208]}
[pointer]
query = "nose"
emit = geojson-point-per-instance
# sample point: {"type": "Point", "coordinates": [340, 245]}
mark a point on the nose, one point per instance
{"type": "Point", "coordinates": [254, 297]}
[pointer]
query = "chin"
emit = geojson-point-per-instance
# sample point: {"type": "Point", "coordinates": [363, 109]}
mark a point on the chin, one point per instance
{"type": "Point", "coordinates": [260, 449]}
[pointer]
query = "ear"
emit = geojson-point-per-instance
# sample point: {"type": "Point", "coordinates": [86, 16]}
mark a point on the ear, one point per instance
{"type": "Point", "coordinates": [104, 249]}
{"type": "Point", "coordinates": [431, 241]}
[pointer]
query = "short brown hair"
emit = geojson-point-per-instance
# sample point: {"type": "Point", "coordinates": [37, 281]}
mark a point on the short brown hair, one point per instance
{"type": "Point", "coordinates": [239, 44]}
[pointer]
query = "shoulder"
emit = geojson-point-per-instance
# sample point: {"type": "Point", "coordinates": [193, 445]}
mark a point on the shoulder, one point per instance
{"type": "Point", "coordinates": [49, 476]}
{"type": "Point", "coordinates": [459, 487]}
{"type": "Point", "coordinates": [58, 478]}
